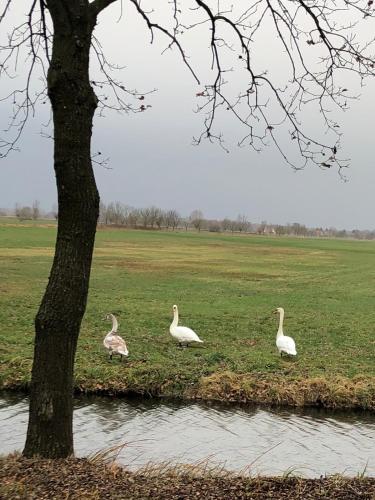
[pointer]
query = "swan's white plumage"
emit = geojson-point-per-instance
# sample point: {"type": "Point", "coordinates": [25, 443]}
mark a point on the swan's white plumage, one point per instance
{"type": "Point", "coordinates": [183, 334]}
{"type": "Point", "coordinates": [113, 342]}
{"type": "Point", "coordinates": [283, 342]}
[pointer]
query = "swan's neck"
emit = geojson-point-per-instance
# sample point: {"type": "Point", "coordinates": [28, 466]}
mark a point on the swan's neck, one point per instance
{"type": "Point", "coordinates": [114, 324]}
{"type": "Point", "coordinates": [175, 318]}
{"type": "Point", "coordinates": [280, 332]}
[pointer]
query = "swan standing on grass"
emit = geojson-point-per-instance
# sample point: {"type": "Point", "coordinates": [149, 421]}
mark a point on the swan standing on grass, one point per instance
{"type": "Point", "coordinates": [113, 342]}
{"type": "Point", "coordinates": [183, 334]}
{"type": "Point", "coordinates": [284, 343]}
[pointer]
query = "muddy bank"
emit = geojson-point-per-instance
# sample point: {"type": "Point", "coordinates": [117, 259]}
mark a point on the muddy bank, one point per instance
{"type": "Point", "coordinates": [22, 478]}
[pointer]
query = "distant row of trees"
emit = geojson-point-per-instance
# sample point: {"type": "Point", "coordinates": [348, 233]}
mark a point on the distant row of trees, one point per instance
{"type": "Point", "coordinates": [155, 218]}
{"type": "Point", "coordinates": [151, 217]}
{"type": "Point", "coordinates": [27, 212]}
{"type": "Point", "coordinates": [122, 215]}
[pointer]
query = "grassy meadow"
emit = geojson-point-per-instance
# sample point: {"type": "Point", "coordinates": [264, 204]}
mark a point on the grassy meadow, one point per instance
{"type": "Point", "coordinates": [226, 288]}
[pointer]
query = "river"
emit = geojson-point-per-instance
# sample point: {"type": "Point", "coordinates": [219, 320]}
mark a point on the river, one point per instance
{"type": "Point", "coordinates": [307, 442]}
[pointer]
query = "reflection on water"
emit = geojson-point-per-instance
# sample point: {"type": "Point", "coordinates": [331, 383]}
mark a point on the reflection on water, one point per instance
{"type": "Point", "coordinates": [312, 442]}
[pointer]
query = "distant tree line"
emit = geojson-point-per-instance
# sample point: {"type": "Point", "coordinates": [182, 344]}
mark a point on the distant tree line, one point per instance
{"type": "Point", "coordinates": [152, 217]}
{"type": "Point", "coordinates": [122, 215]}
{"type": "Point", "coordinates": [155, 218]}
{"type": "Point", "coordinates": [26, 212]}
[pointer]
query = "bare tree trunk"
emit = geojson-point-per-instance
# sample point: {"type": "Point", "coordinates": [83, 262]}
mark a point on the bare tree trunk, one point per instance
{"type": "Point", "coordinates": [58, 320]}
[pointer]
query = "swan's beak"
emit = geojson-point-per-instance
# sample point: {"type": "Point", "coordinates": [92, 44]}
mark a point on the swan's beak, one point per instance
{"type": "Point", "coordinates": [275, 311]}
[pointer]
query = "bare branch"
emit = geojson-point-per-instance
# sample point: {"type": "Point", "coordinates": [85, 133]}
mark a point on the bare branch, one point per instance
{"type": "Point", "coordinates": [306, 84]}
{"type": "Point", "coordinates": [5, 10]}
{"type": "Point", "coordinates": [32, 37]}
{"type": "Point", "coordinates": [172, 37]}
{"type": "Point", "coordinates": [98, 6]}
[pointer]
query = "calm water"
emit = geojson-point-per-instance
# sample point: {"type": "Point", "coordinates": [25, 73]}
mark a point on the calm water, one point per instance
{"type": "Point", "coordinates": [311, 442]}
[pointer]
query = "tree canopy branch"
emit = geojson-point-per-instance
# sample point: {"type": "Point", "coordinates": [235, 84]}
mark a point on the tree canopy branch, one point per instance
{"type": "Point", "coordinates": [98, 6]}
{"type": "Point", "coordinates": [313, 39]}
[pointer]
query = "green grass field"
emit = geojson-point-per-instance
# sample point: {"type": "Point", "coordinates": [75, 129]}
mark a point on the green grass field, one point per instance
{"type": "Point", "coordinates": [226, 288]}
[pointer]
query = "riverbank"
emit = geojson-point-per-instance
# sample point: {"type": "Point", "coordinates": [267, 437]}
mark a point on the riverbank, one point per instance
{"type": "Point", "coordinates": [22, 478]}
{"type": "Point", "coordinates": [335, 393]}
{"type": "Point", "coordinates": [226, 288]}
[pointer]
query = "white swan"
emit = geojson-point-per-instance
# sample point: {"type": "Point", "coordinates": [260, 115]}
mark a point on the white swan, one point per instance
{"type": "Point", "coordinates": [113, 342]}
{"type": "Point", "coordinates": [284, 343]}
{"type": "Point", "coordinates": [183, 334]}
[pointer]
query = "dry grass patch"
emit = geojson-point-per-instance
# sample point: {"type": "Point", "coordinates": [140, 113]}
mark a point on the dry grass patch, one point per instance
{"type": "Point", "coordinates": [338, 392]}
{"type": "Point", "coordinates": [26, 252]}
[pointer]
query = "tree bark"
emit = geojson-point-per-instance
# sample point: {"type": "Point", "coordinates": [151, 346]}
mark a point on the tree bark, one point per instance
{"type": "Point", "coordinates": [58, 320]}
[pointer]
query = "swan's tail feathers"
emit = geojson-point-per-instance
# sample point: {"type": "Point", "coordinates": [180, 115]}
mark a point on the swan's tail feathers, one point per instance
{"type": "Point", "coordinates": [123, 352]}
{"type": "Point", "coordinates": [199, 340]}
{"type": "Point", "coordinates": [292, 353]}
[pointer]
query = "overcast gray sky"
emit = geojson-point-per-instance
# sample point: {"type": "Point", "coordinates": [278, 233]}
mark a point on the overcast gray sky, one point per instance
{"type": "Point", "coordinates": [153, 161]}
